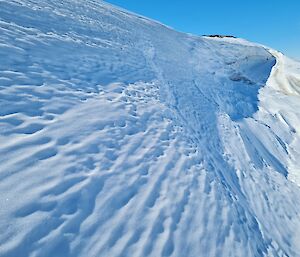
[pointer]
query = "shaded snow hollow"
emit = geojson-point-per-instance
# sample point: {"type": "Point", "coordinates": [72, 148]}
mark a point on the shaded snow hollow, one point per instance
{"type": "Point", "coordinates": [122, 137]}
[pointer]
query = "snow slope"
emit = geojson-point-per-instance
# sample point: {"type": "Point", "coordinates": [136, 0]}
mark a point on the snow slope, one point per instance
{"type": "Point", "coordinates": [122, 137]}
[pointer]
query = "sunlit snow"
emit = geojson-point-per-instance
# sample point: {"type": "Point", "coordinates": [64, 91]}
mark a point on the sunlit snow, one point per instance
{"type": "Point", "coordinates": [122, 137]}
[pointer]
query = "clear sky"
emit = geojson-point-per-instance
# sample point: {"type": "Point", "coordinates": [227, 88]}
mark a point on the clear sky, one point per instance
{"type": "Point", "coordinates": [273, 23]}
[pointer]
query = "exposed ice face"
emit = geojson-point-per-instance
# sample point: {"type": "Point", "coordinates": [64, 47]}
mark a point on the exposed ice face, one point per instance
{"type": "Point", "coordinates": [122, 137]}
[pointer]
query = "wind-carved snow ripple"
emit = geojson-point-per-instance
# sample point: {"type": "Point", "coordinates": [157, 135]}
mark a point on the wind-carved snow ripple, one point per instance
{"type": "Point", "coordinates": [120, 150]}
{"type": "Point", "coordinates": [163, 163]}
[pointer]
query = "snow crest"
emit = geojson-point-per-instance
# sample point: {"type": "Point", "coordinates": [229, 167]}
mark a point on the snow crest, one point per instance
{"type": "Point", "coordinates": [122, 137]}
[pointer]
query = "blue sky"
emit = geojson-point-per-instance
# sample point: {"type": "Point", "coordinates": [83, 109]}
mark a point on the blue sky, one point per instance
{"type": "Point", "coordinates": [274, 23]}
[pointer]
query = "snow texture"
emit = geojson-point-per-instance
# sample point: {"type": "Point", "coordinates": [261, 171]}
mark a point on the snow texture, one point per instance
{"type": "Point", "coordinates": [120, 137]}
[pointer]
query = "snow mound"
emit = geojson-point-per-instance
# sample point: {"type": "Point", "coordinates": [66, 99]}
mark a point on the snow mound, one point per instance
{"type": "Point", "coordinates": [122, 137]}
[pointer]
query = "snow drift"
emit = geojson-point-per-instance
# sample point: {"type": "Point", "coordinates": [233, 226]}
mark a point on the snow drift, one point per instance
{"type": "Point", "coordinates": [122, 137]}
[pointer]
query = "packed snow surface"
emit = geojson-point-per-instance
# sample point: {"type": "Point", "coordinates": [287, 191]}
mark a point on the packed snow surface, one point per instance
{"type": "Point", "coordinates": [122, 137]}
